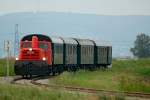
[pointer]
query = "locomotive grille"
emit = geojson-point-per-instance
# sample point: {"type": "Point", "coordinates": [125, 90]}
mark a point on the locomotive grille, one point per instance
{"type": "Point", "coordinates": [30, 54]}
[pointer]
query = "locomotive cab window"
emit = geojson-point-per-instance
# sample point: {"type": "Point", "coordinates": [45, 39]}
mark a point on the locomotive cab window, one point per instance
{"type": "Point", "coordinates": [26, 44]}
{"type": "Point", "coordinates": [43, 45]}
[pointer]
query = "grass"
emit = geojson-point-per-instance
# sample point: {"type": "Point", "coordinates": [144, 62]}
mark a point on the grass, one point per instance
{"type": "Point", "coordinates": [3, 67]}
{"type": "Point", "coordinates": [127, 75]}
{"type": "Point", "coordinates": [17, 92]}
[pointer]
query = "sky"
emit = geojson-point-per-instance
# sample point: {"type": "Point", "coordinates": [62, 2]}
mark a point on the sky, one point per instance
{"type": "Point", "coordinates": [100, 7]}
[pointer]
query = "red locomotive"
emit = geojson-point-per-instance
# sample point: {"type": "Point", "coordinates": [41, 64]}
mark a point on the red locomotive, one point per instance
{"type": "Point", "coordinates": [34, 56]}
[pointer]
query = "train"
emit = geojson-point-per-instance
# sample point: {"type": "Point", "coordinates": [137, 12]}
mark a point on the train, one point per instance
{"type": "Point", "coordinates": [40, 54]}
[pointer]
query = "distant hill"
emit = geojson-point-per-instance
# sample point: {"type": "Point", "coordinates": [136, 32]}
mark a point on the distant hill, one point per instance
{"type": "Point", "coordinates": [121, 31]}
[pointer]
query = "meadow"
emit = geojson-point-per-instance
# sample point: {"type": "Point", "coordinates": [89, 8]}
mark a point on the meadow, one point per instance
{"type": "Point", "coordinates": [125, 75]}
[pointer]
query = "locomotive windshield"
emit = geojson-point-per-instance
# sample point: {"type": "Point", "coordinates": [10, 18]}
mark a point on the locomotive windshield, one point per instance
{"type": "Point", "coordinates": [26, 45]}
{"type": "Point", "coordinates": [42, 45]}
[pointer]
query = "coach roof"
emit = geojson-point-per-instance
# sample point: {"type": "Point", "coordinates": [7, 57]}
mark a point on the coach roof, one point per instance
{"type": "Point", "coordinates": [70, 41]}
{"type": "Point", "coordinates": [85, 41]}
{"type": "Point", "coordinates": [102, 43]}
{"type": "Point", "coordinates": [58, 40]}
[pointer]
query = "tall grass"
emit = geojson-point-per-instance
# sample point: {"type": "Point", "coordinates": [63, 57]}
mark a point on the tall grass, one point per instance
{"type": "Point", "coordinates": [127, 75]}
{"type": "Point", "coordinates": [3, 67]}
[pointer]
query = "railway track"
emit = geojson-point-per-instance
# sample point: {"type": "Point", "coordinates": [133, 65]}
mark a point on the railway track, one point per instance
{"type": "Point", "coordinates": [87, 90]}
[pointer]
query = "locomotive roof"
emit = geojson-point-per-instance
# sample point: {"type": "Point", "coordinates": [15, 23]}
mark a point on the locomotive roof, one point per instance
{"type": "Point", "coordinates": [41, 37]}
{"type": "Point", "coordinates": [70, 41]}
{"type": "Point", "coordinates": [85, 42]}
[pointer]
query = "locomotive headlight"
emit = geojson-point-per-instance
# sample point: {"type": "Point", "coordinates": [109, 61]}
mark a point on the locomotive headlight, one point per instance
{"type": "Point", "coordinates": [17, 58]}
{"type": "Point", "coordinates": [30, 49]}
{"type": "Point", "coordinates": [44, 58]}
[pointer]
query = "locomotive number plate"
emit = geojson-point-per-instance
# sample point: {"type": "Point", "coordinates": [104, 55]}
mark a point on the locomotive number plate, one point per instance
{"type": "Point", "coordinates": [30, 52]}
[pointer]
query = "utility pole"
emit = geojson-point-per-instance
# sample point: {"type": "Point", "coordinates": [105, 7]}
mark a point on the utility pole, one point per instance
{"type": "Point", "coordinates": [7, 45]}
{"type": "Point", "coordinates": [16, 42]}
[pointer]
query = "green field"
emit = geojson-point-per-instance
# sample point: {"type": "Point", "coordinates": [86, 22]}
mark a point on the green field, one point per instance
{"type": "Point", "coordinates": [127, 75]}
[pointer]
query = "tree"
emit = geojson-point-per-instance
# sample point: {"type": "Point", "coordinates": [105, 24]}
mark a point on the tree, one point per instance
{"type": "Point", "coordinates": [141, 47]}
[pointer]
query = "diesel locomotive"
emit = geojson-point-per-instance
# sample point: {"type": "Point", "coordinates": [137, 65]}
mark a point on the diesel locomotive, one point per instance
{"type": "Point", "coordinates": [43, 55]}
